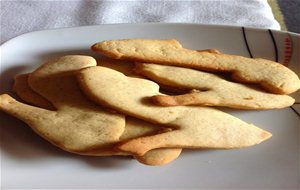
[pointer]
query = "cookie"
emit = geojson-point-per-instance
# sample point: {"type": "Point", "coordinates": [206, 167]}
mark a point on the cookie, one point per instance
{"type": "Point", "coordinates": [23, 90]}
{"type": "Point", "coordinates": [272, 76]}
{"type": "Point", "coordinates": [134, 128]}
{"type": "Point", "coordinates": [194, 127]}
{"type": "Point", "coordinates": [125, 67]}
{"type": "Point", "coordinates": [209, 89]}
{"type": "Point", "coordinates": [153, 157]}
{"type": "Point", "coordinates": [77, 125]}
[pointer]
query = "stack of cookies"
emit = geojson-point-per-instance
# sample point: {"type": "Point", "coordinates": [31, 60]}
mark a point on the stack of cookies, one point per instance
{"type": "Point", "coordinates": [115, 106]}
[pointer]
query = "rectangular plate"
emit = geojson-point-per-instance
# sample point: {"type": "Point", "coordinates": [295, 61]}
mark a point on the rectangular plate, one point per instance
{"type": "Point", "coordinates": [28, 161]}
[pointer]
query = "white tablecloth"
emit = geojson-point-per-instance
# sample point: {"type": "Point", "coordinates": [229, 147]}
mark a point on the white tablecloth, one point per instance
{"type": "Point", "coordinates": [18, 17]}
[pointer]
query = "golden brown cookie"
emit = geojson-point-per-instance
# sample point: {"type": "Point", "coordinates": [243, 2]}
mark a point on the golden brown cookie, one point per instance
{"type": "Point", "coordinates": [77, 125]}
{"type": "Point", "coordinates": [134, 128]}
{"type": "Point", "coordinates": [23, 90]}
{"type": "Point", "coordinates": [194, 127]}
{"type": "Point", "coordinates": [125, 67]}
{"type": "Point", "coordinates": [154, 157]}
{"type": "Point", "coordinates": [209, 89]}
{"type": "Point", "coordinates": [272, 76]}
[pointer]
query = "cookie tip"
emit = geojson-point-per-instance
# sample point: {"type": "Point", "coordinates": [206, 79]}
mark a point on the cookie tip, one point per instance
{"type": "Point", "coordinates": [94, 47]}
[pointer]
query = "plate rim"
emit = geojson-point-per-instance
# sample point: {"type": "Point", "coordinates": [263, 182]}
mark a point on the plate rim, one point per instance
{"type": "Point", "coordinates": [218, 26]}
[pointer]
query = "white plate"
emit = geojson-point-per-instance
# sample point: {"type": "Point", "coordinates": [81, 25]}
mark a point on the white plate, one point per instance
{"type": "Point", "coordinates": [28, 161]}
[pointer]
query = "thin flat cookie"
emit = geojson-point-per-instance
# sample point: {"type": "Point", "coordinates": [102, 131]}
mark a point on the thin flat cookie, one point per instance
{"type": "Point", "coordinates": [272, 76]}
{"type": "Point", "coordinates": [77, 125]}
{"type": "Point", "coordinates": [134, 128]}
{"type": "Point", "coordinates": [194, 127]}
{"type": "Point", "coordinates": [23, 90]}
{"type": "Point", "coordinates": [209, 89]}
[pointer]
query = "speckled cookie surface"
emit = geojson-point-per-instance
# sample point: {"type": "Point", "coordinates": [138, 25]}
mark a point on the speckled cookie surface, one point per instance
{"type": "Point", "coordinates": [272, 76]}
{"type": "Point", "coordinates": [77, 124]}
{"type": "Point", "coordinates": [134, 128]}
{"type": "Point", "coordinates": [196, 127]}
{"type": "Point", "coordinates": [209, 89]}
